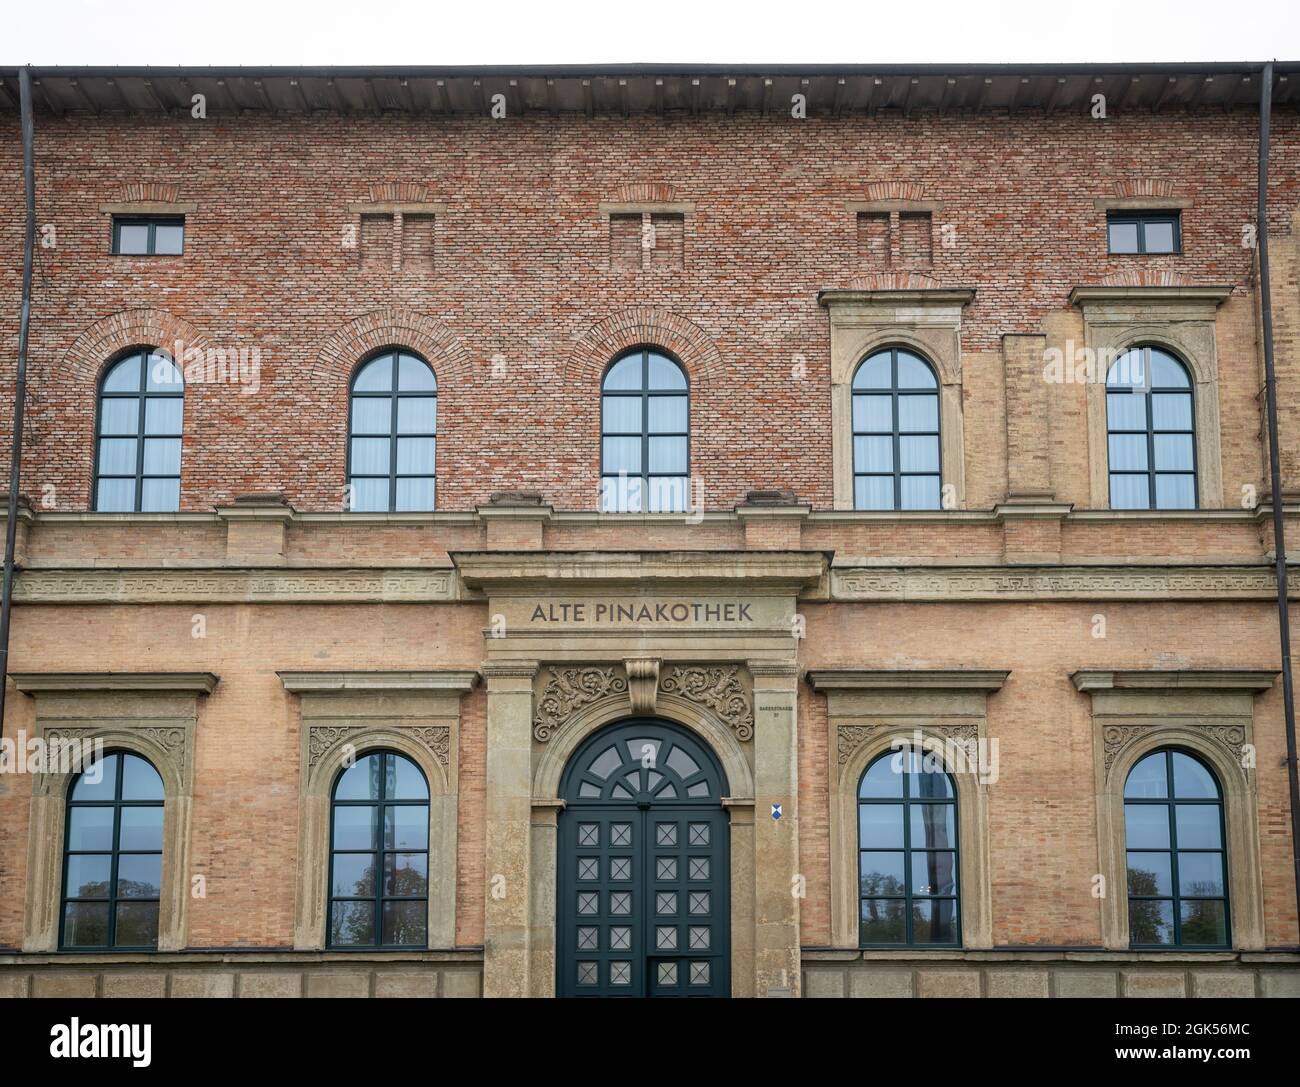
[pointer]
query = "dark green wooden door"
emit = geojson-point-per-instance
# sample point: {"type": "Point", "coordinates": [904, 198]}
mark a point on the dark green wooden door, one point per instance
{"type": "Point", "coordinates": [644, 876]}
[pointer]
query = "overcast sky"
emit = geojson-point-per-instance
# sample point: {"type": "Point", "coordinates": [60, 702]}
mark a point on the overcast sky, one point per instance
{"type": "Point", "coordinates": [432, 32]}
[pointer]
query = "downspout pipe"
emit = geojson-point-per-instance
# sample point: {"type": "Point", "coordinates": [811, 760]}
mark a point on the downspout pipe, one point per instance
{"type": "Point", "coordinates": [1275, 466]}
{"type": "Point", "coordinates": [20, 385]}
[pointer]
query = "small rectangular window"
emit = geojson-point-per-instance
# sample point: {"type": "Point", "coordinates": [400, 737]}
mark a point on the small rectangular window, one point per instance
{"type": "Point", "coordinates": [136, 236]}
{"type": "Point", "coordinates": [1144, 232]}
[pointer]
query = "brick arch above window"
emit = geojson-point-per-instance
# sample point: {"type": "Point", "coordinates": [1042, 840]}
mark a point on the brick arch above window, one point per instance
{"type": "Point", "coordinates": [636, 326]}
{"type": "Point", "coordinates": [1145, 186]}
{"type": "Point", "coordinates": [109, 337]}
{"type": "Point", "coordinates": [393, 326]}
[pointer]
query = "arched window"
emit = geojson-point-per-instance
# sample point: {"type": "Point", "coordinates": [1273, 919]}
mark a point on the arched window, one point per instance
{"type": "Point", "coordinates": [895, 433]}
{"type": "Point", "coordinates": [644, 435]}
{"type": "Point", "coordinates": [112, 866]}
{"type": "Point", "coordinates": [392, 434]}
{"type": "Point", "coordinates": [1174, 835]}
{"type": "Point", "coordinates": [907, 852]}
{"type": "Point", "coordinates": [379, 854]}
{"type": "Point", "coordinates": [138, 443]}
{"type": "Point", "coordinates": [1150, 432]}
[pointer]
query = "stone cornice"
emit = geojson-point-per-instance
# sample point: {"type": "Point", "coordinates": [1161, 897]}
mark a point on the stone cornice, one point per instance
{"type": "Point", "coordinates": [868, 679]}
{"type": "Point", "coordinates": [458, 680]}
{"type": "Point", "coordinates": [958, 296]}
{"type": "Point", "coordinates": [1206, 679]}
{"type": "Point", "coordinates": [1085, 295]}
{"type": "Point", "coordinates": [69, 682]}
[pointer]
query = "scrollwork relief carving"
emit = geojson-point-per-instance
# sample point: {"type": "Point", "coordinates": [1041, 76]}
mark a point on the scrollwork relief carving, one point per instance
{"type": "Point", "coordinates": [720, 689]}
{"type": "Point", "coordinates": [567, 690]}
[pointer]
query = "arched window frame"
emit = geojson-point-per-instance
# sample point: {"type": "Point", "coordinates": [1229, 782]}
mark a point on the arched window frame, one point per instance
{"type": "Point", "coordinates": [394, 435]}
{"type": "Point", "coordinates": [645, 393]}
{"type": "Point", "coordinates": [895, 433]}
{"type": "Point", "coordinates": [1148, 390]}
{"type": "Point", "coordinates": [143, 431]}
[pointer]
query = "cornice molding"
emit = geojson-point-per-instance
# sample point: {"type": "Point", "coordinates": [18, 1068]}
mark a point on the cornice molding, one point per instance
{"type": "Point", "coordinates": [938, 297]}
{"type": "Point", "coordinates": [458, 680]}
{"type": "Point", "coordinates": [872, 679]}
{"type": "Point", "coordinates": [1181, 679]}
{"type": "Point", "coordinates": [72, 682]}
{"type": "Point", "coordinates": [1152, 295]}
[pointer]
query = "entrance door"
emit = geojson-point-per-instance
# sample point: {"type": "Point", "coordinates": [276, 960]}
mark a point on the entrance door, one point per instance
{"type": "Point", "coordinates": [644, 875]}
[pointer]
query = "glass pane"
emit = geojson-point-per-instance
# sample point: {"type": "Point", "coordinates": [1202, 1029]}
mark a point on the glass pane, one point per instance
{"type": "Point", "coordinates": [875, 373]}
{"type": "Point", "coordinates": [168, 238]}
{"type": "Point", "coordinates": [115, 495]}
{"type": "Point", "coordinates": [162, 456]}
{"type": "Point", "coordinates": [930, 783]}
{"type": "Point", "coordinates": [1192, 779]}
{"type": "Point", "coordinates": [621, 494]}
{"type": "Point", "coordinates": [1175, 492]}
{"type": "Point", "coordinates": [354, 875]}
{"type": "Point", "coordinates": [85, 924]}
{"type": "Point", "coordinates": [1129, 492]}
{"type": "Point", "coordinates": [414, 375]}
{"type": "Point", "coordinates": [880, 826]}
{"type": "Point", "coordinates": [415, 456]}
{"type": "Point", "coordinates": [1204, 923]}
{"type": "Point", "coordinates": [1159, 237]}
{"type": "Point", "coordinates": [141, 828]}
{"type": "Point", "coordinates": [1171, 411]}
{"type": "Point", "coordinates": [117, 456]}
{"type": "Point", "coordinates": [1148, 780]}
{"type": "Point", "coordinates": [934, 873]}
{"type": "Point", "coordinates": [1149, 874]}
{"type": "Point", "coordinates": [883, 779]}
{"type": "Point", "coordinates": [355, 827]}
{"type": "Point", "coordinates": [133, 238]}
{"type": "Point", "coordinates": [1126, 411]}
{"type": "Point", "coordinates": [1166, 371]}
{"type": "Point", "coordinates": [352, 923]}
{"type": "Point", "coordinates": [139, 875]}
{"type": "Point", "coordinates": [405, 923]}
{"type": "Point", "coordinates": [883, 920]}
{"type": "Point", "coordinates": [934, 922]}
{"type": "Point", "coordinates": [98, 781]}
{"type": "Point", "coordinates": [360, 781]}
{"type": "Point", "coordinates": [372, 414]}
{"type": "Point", "coordinates": [1150, 922]}
{"type": "Point", "coordinates": [405, 782]}
{"type": "Point", "coordinates": [1146, 826]}
{"type": "Point", "coordinates": [882, 873]}
{"type": "Point", "coordinates": [920, 492]}
{"type": "Point", "coordinates": [137, 924]}
{"type": "Point", "coordinates": [88, 876]}
{"type": "Point", "coordinates": [624, 374]}
{"type": "Point", "coordinates": [621, 414]}
{"type": "Point", "coordinates": [1200, 875]}
{"type": "Point", "coordinates": [119, 415]}
{"type": "Point", "coordinates": [1127, 451]}
{"type": "Point", "coordinates": [873, 454]}
{"type": "Point", "coordinates": [918, 454]}
{"type": "Point", "coordinates": [1129, 370]}
{"type": "Point", "coordinates": [667, 455]}
{"type": "Point", "coordinates": [873, 493]}
{"type": "Point", "coordinates": [1174, 451]}
{"type": "Point", "coordinates": [1197, 826]}
{"type": "Point", "coordinates": [621, 454]}
{"type": "Point", "coordinates": [406, 827]}
{"type": "Point", "coordinates": [667, 414]}
{"type": "Point", "coordinates": [873, 413]}
{"type": "Point", "coordinates": [162, 415]}
{"type": "Point", "coordinates": [934, 826]}
{"type": "Point", "coordinates": [375, 376]}
{"type": "Point", "coordinates": [163, 375]}
{"type": "Point", "coordinates": [370, 456]}
{"type": "Point", "coordinates": [1123, 237]}
{"type": "Point", "coordinates": [415, 494]}
{"type": "Point", "coordinates": [140, 781]}
{"type": "Point", "coordinates": [90, 828]}
{"type": "Point", "coordinates": [160, 495]}
{"type": "Point", "coordinates": [124, 377]}
{"type": "Point", "coordinates": [913, 373]}
{"type": "Point", "coordinates": [369, 495]}
{"type": "Point", "coordinates": [665, 374]}
{"type": "Point", "coordinates": [917, 413]}
{"type": "Point", "coordinates": [406, 874]}
{"type": "Point", "coordinates": [668, 494]}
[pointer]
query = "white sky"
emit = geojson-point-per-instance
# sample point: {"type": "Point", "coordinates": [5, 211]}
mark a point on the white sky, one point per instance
{"type": "Point", "coordinates": [434, 32]}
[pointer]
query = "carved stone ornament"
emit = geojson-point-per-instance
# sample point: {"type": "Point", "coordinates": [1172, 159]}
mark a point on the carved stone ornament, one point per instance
{"type": "Point", "coordinates": [437, 738]}
{"type": "Point", "coordinates": [569, 689]}
{"type": "Point", "coordinates": [1232, 738]}
{"type": "Point", "coordinates": [642, 684]}
{"type": "Point", "coordinates": [851, 737]}
{"type": "Point", "coordinates": [322, 737]}
{"type": "Point", "coordinates": [719, 688]}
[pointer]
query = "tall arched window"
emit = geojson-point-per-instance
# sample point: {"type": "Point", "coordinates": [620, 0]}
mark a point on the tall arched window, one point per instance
{"type": "Point", "coordinates": [138, 443]}
{"type": "Point", "coordinates": [1174, 836]}
{"type": "Point", "coordinates": [1150, 432]}
{"type": "Point", "coordinates": [895, 433]}
{"type": "Point", "coordinates": [392, 434]}
{"type": "Point", "coordinates": [379, 854]}
{"type": "Point", "coordinates": [907, 852]}
{"type": "Point", "coordinates": [644, 435]}
{"type": "Point", "coordinates": [112, 866]}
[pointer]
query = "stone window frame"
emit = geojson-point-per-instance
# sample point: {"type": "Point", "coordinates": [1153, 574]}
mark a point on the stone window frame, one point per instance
{"type": "Point", "coordinates": [1177, 319]}
{"type": "Point", "coordinates": [1209, 713]}
{"type": "Point", "coordinates": [868, 711]}
{"type": "Point", "coordinates": [150, 714]}
{"type": "Point", "coordinates": [927, 321]}
{"type": "Point", "coordinates": [345, 715]}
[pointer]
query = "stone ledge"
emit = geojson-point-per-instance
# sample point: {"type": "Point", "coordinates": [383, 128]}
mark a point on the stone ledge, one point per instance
{"type": "Point", "coordinates": [440, 680]}
{"type": "Point", "coordinates": [1217, 679]}
{"type": "Point", "coordinates": [65, 682]}
{"type": "Point", "coordinates": [864, 679]}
